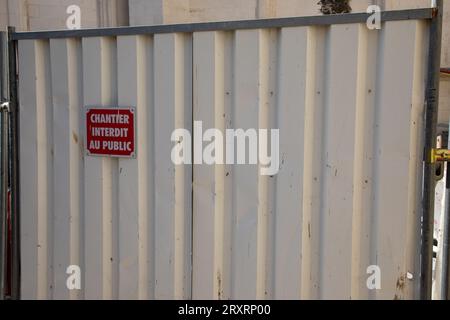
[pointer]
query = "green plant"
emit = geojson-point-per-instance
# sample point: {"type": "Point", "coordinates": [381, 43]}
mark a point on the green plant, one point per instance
{"type": "Point", "coordinates": [335, 6]}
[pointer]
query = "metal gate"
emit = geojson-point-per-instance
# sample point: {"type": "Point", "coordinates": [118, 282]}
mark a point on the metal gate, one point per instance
{"type": "Point", "coordinates": [347, 198]}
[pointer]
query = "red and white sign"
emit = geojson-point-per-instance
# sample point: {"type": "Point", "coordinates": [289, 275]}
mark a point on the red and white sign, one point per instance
{"type": "Point", "coordinates": [110, 132]}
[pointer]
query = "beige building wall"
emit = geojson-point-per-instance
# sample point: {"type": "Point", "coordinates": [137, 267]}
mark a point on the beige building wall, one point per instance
{"type": "Point", "coordinates": [31, 15]}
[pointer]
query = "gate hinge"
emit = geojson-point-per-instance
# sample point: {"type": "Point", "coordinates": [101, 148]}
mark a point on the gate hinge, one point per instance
{"type": "Point", "coordinates": [440, 155]}
{"type": "Point", "coordinates": [4, 106]}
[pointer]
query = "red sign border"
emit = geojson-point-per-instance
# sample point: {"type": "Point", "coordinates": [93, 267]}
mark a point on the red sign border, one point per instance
{"type": "Point", "coordinates": [111, 156]}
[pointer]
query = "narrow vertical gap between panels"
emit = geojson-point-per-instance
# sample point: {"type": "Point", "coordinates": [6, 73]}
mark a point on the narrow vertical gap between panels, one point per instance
{"type": "Point", "coordinates": [369, 153]}
{"type": "Point", "coordinates": [76, 155]}
{"type": "Point", "coordinates": [268, 46]}
{"type": "Point", "coordinates": [229, 175]}
{"type": "Point", "coordinates": [183, 175]}
{"type": "Point", "coordinates": [310, 123]}
{"type": "Point", "coordinates": [262, 181]}
{"type": "Point", "coordinates": [150, 137]}
{"type": "Point", "coordinates": [180, 171]}
{"type": "Point", "coordinates": [232, 169]}
{"type": "Point", "coordinates": [110, 176]}
{"type": "Point", "coordinates": [179, 219]}
{"type": "Point", "coordinates": [142, 48]}
{"type": "Point", "coordinates": [272, 96]}
{"type": "Point", "coordinates": [376, 156]}
{"type": "Point", "coordinates": [115, 240]}
{"type": "Point", "coordinates": [275, 124]}
{"type": "Point", "coordinates": [130, 182]}
{"type": "Point", "coordinates": [50, 170]}
{"type": "Point", "coordinates": [140, 173]}
{"type": "Point", "coordinates": [57, 49]}
{"type": "Point", "coordinates": [92, 185]}
{"type": "Point", "coordinates": [105, 56]}
{"type": "Point", "coordinates": [313, 157]}
{"type": "Point", "coordinates": [191, 257]}
{"type": "Point", "coordinates": [82, 224]}
{"type": "Point", "coordinates": [219, 170]}
{"type": "Point", "coordinates": [188, 246]}
{"type": "Point", "coordinates": [159, 122]}
{"type": "Point", "coordinates": [324, 157]}
{"type": "Point", "coordinates": [186, 249]}
{"type": "Point", "coordinates": [196, 290]}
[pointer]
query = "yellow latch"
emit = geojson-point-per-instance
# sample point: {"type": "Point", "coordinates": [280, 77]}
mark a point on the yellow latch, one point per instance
{"type": "Point", "coordinates": [440, 155]}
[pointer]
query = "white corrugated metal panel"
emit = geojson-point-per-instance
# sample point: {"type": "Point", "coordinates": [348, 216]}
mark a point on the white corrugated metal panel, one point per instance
{"type": "Point", "coordinates": [349, 105]}
{"type": "Point", "coordinates": [130, 238]}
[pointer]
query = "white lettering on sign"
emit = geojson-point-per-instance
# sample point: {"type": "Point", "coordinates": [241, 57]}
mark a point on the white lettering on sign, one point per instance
{"type": "Point", "coordinates": [116, 146]}
{"type": "Point", "coordinates": [110, 119]}
{"type": "Point", "coordinates": [110, 132]}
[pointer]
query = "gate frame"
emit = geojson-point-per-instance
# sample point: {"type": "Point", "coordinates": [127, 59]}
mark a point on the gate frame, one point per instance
{"type": "Point", "coordinates": [10, 160]}
{"type": "Point", "coordinates": [432, 15]}
{"type": "Point", "coordinates": [431, 120]}
{"type": "Point", "coordinates": [4, 106]}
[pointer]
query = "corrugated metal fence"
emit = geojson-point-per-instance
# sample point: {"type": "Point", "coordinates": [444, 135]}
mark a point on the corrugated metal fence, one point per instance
{"type": "Point", "coordinates": [349, 103]}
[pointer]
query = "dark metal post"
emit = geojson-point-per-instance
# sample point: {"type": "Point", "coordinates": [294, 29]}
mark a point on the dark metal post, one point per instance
{"type": "Point", "coordinates": [4, 110]}
{"type": "Point", "coordinates": [4, 119]}
{"type": "Point", "coordinates": [432, 104]}
{"type": "Point", "coordinates": [14, 166]}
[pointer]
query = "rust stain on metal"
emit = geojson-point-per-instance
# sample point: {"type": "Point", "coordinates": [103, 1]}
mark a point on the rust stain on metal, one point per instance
{"type": "Point", "coordinates": [219, 286]}
{"type": "Point", "coordinates": [75, 137]}
{"type": "Point", "coordinates": [401, 283]}
{"type": "Point", "coordinates": [435, 12]}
